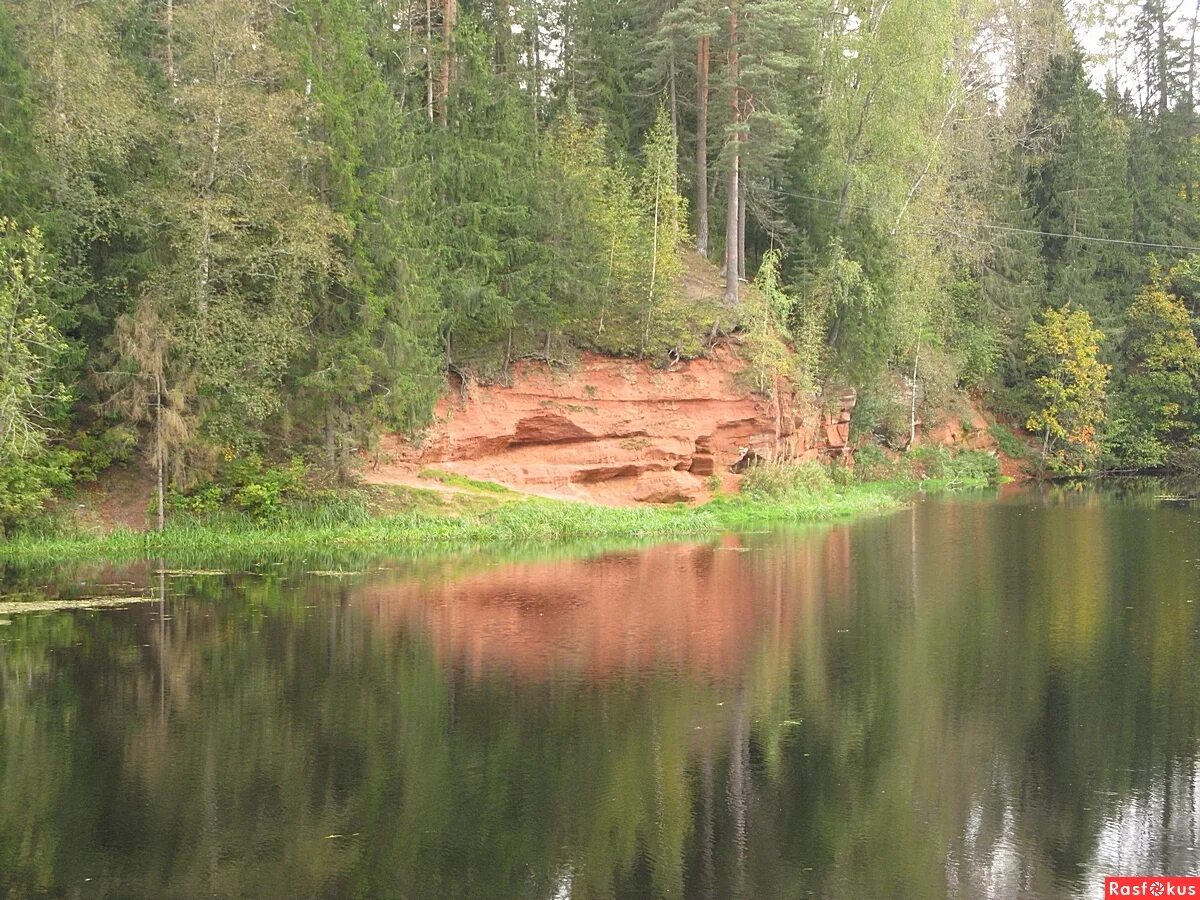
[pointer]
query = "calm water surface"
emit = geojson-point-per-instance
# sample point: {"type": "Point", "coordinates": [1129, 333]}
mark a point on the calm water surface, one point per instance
{"type": "Point", "coordinates": [975, 698]}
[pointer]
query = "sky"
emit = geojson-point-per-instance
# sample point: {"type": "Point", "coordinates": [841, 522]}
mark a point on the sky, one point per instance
{"type": "Point", "coordinates": [1103, 28]}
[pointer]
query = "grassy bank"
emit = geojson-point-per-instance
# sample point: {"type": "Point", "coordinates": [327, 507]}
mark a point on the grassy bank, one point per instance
{"type": "Point", "coordinates": [419, 520]}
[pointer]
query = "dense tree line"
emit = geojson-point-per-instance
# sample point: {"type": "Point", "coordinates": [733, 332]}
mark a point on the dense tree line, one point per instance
{"type": "Point", "coordinates": [236, 227]}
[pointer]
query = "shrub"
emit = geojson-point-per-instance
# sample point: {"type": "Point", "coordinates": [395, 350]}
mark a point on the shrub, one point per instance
{"type": "Point", "coordinates": [1008, 442]}
{"type": "Point", "coordinates": [1186, 459]}
{"type": "Point", "coordinates": [765, 315]}
{"type": "Point", "coordinates": [881, 411]}
{"type": "Point", "coordinates": [926, 462]}
{"type": "Point", "coordinates": [96, 451]}
{"type": "Point", "coordinates": [27, 483]}
{"type": "Point", "coordinates": [972, 465]}
{"type": "Point", "coordinates": [262, 492]}
{"type": "Point", "coordinates": [1071, 386]}
{"type": "Point", "coordinates": [841, 474]}
{"type": "Point", "coordinates": [784, 480]}
{"type": "Point", "coordinates": [871, 463]}
{"type": "Point", "coordinates": [203, 501]}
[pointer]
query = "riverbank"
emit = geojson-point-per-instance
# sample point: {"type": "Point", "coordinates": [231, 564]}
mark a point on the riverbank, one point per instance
{"type": "Point", "coordinates": [427, 520]}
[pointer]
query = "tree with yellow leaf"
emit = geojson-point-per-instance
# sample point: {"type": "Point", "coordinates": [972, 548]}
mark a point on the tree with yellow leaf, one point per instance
{"type": "Point", "coordinates": [1070, 384]}
{"type": "Point", "coordinates": [1157, 388]}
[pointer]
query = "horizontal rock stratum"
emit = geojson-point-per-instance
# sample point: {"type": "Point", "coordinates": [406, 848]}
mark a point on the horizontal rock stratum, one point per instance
{"type": "Point", "coordinates": [616, 431]}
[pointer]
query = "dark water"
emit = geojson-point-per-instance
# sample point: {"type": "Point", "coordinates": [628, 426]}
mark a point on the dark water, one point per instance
{"type": "Point", "coordinates": [977, 698]}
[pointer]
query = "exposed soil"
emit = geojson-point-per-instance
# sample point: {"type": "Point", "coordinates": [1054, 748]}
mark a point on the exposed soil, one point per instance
{"type": "Point", "coordinates": [120, 499]}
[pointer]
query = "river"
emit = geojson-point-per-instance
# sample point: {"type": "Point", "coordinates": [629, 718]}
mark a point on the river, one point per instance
{"type": "Point", "coordinates": [975, 697]}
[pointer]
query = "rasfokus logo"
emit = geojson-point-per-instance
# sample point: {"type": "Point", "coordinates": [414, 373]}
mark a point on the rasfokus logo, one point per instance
{"type": "Point", "coordinates": [1151, 886]}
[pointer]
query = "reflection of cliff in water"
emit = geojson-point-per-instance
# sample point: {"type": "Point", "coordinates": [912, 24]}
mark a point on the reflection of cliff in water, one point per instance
{"type": "Point", "coordinates": [697, 609]}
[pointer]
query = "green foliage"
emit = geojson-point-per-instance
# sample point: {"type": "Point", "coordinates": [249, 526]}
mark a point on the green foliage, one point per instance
{"type": "Point", "coordinates": [841, 293]}
{"type": "Point", "coordinates": [882, 411]}
{"type": "Point", "coordinates": [372, 360]}
{"type": "Point", "coordinates": [785, 481]}
{"type": "Point", "coordinates": [925, 462]}
{"type": "Point", "coordinates": [620, 240]}
{"type": "Point", "coordinates": [28, 482]}
{"type": "Point", "coordinates": [1008, 442]}
{"type": "Point", "coordinates": [232, 294]}
{"type": "Point", "coordinates": [973, 467]}
{"type": "Point", "coordinates": [841, 473]}
{"type": "Point", "coordinates": [765, 314]}
{"type": "Point", "coordinates": [31, 398]}
{"type": "Point", "coordinates": [1157, 390]}
{"type": "Point", "coordinates": [423, 524]}
{"type": "Point", "coordinates": [974, 340]}
{"type": "Point", "coordinates": [451, 479]}
{"type": "Point", "coordinates": [1071, 385]}
{"type": "Point", "coordinates": [30, 346]}
{"type": "Point", "coordinates": [872, 463]}
{"type": "Point", "coordinates": [1077, 184]}
{"type": "Point", "coordinates": [96, 451]}
{"type": "Point", "coordinates": [245, 484]}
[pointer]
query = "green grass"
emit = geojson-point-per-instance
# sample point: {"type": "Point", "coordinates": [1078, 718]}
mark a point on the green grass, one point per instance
{"type": "Point", "coordinates": [1008, 442]}
{"type": "Point", "coordinates": [462, 481]}
{"type": "Point", "coordinates": [419, 521]}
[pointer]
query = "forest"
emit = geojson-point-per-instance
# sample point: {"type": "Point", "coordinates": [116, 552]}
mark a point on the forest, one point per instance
{"type": "Point", "coordinates": [243, 232]}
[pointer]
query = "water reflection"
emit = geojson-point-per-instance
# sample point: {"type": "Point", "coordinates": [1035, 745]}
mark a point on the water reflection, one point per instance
{"type": "Point", "coordinates": [971, 699]}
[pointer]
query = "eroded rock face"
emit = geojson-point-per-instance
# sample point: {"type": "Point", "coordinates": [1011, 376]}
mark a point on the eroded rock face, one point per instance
{"type": "Point", "coordinates": [616, 431]}
{"type": "Point", "coordinates": [620, 431]}
{"type": "Point", "coordinates": [667, 487]}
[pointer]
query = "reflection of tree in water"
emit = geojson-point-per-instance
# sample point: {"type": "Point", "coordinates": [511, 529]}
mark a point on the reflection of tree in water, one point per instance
{"type": "Point", "coordinates": [972, 700]}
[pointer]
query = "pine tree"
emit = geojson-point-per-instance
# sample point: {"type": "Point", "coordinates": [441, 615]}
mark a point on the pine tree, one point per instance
{"type": "Point", "coordinates": [372, 322]}
{"type": "Point", "coordinates": [1076, 186]}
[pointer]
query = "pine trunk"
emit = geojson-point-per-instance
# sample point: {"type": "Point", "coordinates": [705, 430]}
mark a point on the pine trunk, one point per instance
{"type": "Point", "coordinates": [702, 56]}
{"type": "Point", "coordinates": [429, 58]}
{"type": "Point", "coordinates": [535, 56]}
{"type": "Point", "coordinates": [1191, 100]}
{"type": "Point", "coordinates": [159, 451]}
{"type": "Point", "coordinates": [330, 437]}
{"type": "Point", "coordinates": [449, 17]}
{"type": "Point", "coordinates": [732, 262]}
{"type": "Point", "coordinates": [741, 224]}
{"type": "Point", "coordinates": [1163, 84]}
{"type": "Point", "coordinates": [672, 99]}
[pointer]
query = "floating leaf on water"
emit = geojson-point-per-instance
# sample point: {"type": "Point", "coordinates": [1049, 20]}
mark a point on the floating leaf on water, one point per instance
{"type": "Point", "coordinates": [45, 606]}
{"type": "Point", "coordinates": [189, 573]}
{"type": "Point", "coordinates": [332, 573]}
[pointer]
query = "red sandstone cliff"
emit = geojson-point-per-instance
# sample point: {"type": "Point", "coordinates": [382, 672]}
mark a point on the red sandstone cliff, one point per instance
{"type": "Point", "coordinates": [614, 430]}
{"type": "Point", "coordinates": [618, 431]}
